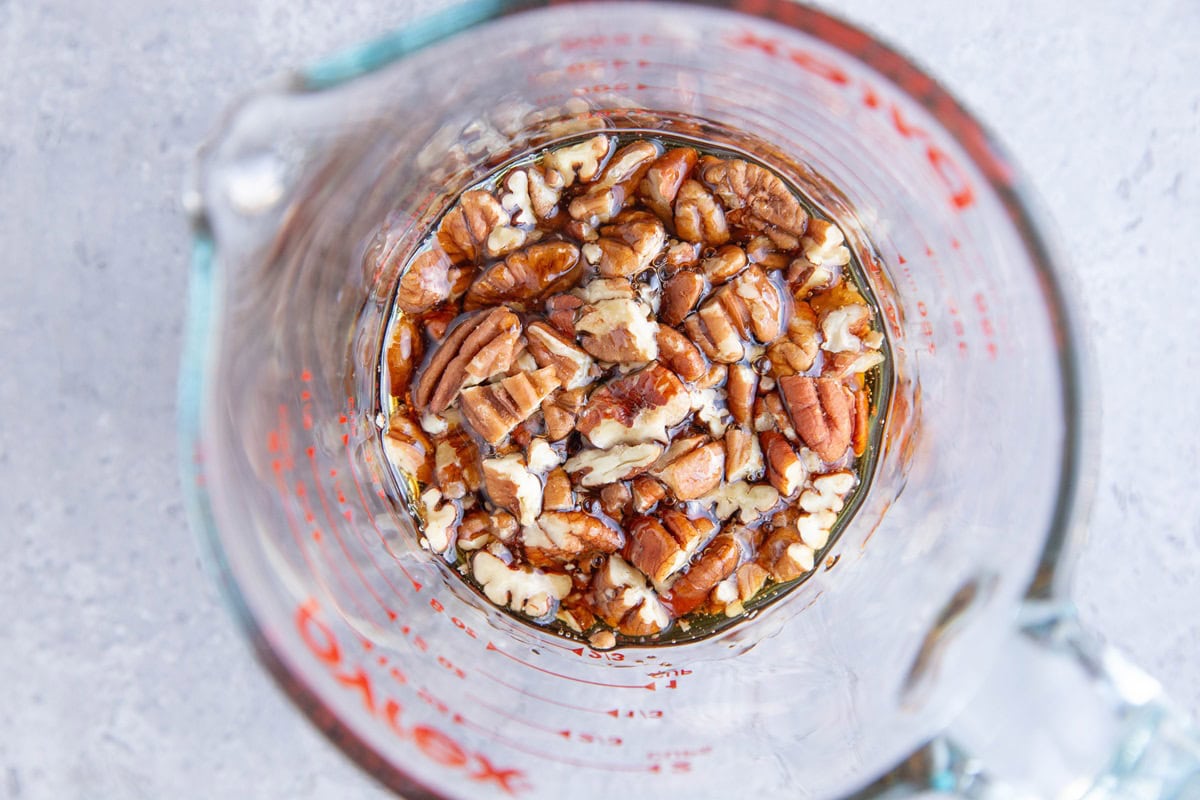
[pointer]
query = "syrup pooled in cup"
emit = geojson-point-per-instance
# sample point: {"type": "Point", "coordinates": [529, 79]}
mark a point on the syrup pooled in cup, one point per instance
{"type": "Point", "coordinates": [633, 387]}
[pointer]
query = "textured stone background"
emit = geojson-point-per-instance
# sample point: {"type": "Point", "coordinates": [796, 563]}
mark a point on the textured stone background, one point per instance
{"type": "Point", "coordinates": [124, 677]}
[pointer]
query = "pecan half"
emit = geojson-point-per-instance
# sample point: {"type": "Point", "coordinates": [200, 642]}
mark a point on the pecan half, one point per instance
{"type": "Point", "coordinates": [698, 215]}
{"type": "Point", "coordinates": [716, 563]}
{"type": "Point", "coordinates": [764, 200]}
{"type": "Point", "coordinates": [497, 408]}
{"type": "Point", "coordinates": [526, 276]}
{"type": "Point", "coordinates": [485, 336]}
{"type": "Point", "coordinates": [821, 410]}
{"type": "Point", "coordinates": [425, 283]}
{"type": "Point", "coordinates": [638, 407]}
{"type": "Point", "coordinates": [663, 179]}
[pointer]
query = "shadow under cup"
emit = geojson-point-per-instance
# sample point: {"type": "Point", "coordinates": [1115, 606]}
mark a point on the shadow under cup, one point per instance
{"type": "Point", "coordinates": [433, 691]}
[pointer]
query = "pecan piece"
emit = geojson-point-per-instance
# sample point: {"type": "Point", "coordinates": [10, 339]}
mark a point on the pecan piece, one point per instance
{"type": "Point", "coordinates": [607, 195]}
{"type": "Point", "coordinates": [784, 468]}
{"type": "Point", "coordinates": [497, 408]}
{"type": "Point", "coordinates": [785, 556]}
{"type": "Point", "coordinates": [526, 276]}
{"type": "Point", "coordinates": [695, 473]}
{"type": "Point", "coordinates": [477, 227]}
{"type": "Point", "coordinates": [660, 548]}
{"type": "Point", "coordinates": [716, 333]}
{"type": "Point", "coordinates": [616, 499]}
{"type": "Point", "coordinates": [862, 412]}
{"type": "Point", "coordinates": [680, 294]}
{"type": "Point", "coordinates": [404, 352]}
{"type": "Point", "coordinates": [560, 420]}
{"type": "Point", "coordinates": [557, 494]}
{"type": "Point", "coordinates": [524, 590]}
{"type": "Point", "coordinates": [617, 329]}
{"type": "Point", "coordinates": [581, 160]}
{"type": "Point", "coordinates": [647, 492]}
{"type": "Point", "coordinates": [741, 387]}
{"type": "Point", "coordinates": [762, 300]}
{"type": "Point", "coordinates": [761, 199]}
{"type": "Point", "coordinates": [599, 467]}
{"type": "Point", "coordinates": [743, 456]}
{"type": "Point", "coordinates": [475, 349]}
{"type": "Point", "coordinates": [796, 352]}
{"type": "Point", "coordinates": [512, 486]}
{"type": "Point", "coordinates": [663, 179]}
{"type": "Point", "coordinates": [822, 411]}
{"type": "Point", "coordinates": [621, 597]}
{"type": "Point", "coordinates": [681, 255]}
{"type": "Point", "coordinates": [716, 563]}
{"type": "Point", "coordinates": [439, 520]}
{"type": "Point", "coordinates": [726, 263]}
{"type": "Point", "coordinates": [456, 464]}
{"type": "Point", "coordinates": [425, 282]}
{"type": "Point", "coordinates": [680, 355]}
{"type": "Point", "coordinates": [698, 215]}
{"type": "Point", "coordinates": [560, 311]}
{"type": "Point", "coordinates": [550, 349]}
{"type": "Point", "coordinates": [628, 246]}
{"type": "Point", "coordinates": [638, 407]}
{"type": "Point", "coordinates": [560, 537]}
{"type": "Point", "coordinates": [824, 244]}
{"type": "Point", "coordinates": [750, 580]}
{"type": "Point", "coordinates": [407, 446]}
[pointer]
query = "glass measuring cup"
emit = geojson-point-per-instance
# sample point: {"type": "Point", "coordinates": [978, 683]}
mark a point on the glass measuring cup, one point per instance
{"type": "Point", "coordinates": [942, 626]}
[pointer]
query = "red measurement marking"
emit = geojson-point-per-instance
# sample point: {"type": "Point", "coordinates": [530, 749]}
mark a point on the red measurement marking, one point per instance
{"type": "Point", "coordinates": [432, 743]}
{"type": "Point", "coordinates": [540, 698]}
{"type": "Point", "coordinates": [306, 376]}
{"type": "Point", "coordinates": [597, 654]}
{"type": "Point", "coordinates": [648, 686]}
{"type": "Point", "coordinates": [362, 498]}
{"type": "Point", "coordinates": [573, 762]}
{"type": "Point", "coordinates": [635, 713]}
{"type": "Point", "coordinates": [333, 527]}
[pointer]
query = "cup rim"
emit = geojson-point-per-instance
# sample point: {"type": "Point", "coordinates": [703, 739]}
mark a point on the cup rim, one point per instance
{"type": "Point", "coordinates": [980, 145]}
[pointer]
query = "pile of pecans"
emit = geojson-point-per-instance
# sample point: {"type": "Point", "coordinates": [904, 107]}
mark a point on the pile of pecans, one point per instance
{"type": "Point", "coordinates": [630, 386]}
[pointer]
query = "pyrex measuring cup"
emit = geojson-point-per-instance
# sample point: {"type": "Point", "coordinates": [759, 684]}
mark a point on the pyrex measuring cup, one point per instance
{"type": "Point", "coordinates": [936, 643]}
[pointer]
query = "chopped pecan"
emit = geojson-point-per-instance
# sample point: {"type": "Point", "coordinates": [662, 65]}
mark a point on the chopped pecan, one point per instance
{"type": "Point", "coordinates": [439, 520]}
{"type": "Point", "coordinates": [511, 485]}
{"type": "Point", "coordinates": [560, 311]}
{"type": "Point", "coordinates": [663, 179]}
{"type": "Point", "coordinates": [750, 580]}
{"type": "Point", "coordinates": [407, 446]}
{"type": "Point", "coordinates": [478, 227]}
{"type": "Point", "coordinates": [717, 562]}
{"type": "Point", "coordinates": [714, 377]}
{"type": "Point", "coordinates": [526, 276]}
{"type": "Point", "coordinates": [743, 456]}
{"type": "Point", "coordinates": [475, 531]}
{"type": "Point", "coordinates": [766, 253]}
{"type": "Point", "coordinates": [638, 407]}
{"type": "Point", "coordinates": [647, 492]}
{"type": "Point", "coordinates": [475, 348]}
{"type": "Point", "coordinates": [563, 536]}
{"type": "Point", "coordinates": [580, 160]}
{"type": "Point", "coordinates": [695, 473]}
{"type": "Point", "coordinates": [822, 411]}
{"type": "Point", "coordinates": [741, 388]}
{"type": "Point", "coordinates": [844, 318]}
{"type": "Point", "coordinates": [628, 246]}
{"type": "Point", "coordinates": [541, 456]}
{"type": "Point", "coordinates": [770, 414]}
{"type": "Point", "coordinates": [714, 331]}
{"type": "Point", "coordinates": [497, 408]}
{"type": "Point", "coordinates": [698, 215]}
{"type": "Point", "coordinates": [616, 499]}
{"type": "Point", "coordinates": [426, 281]}
{"type": "Point", "coordinates": [763, 301]}
{"type": "Point", "coordinates": [681, 255]}
{"type": "Point", "coordinates": [524, 590]}
{"type": "Point", "coordinates": [437, 322]}
{"type": "Point", "coordinates": [862, 428]}
{"type": "Point", "coordinates": [558, 494]}
{"type": "Point", "coordinates": [785, 556]}
{"type": "Point", "coordinates": [545, 188]}
{"type": "Point", "coordinates": [828, 492]}
{"type": "Point", "coordinates": [651, 548]}
{"type": "Point", "coordinates": [618, 330]}
{"type": "Point", "coordinates": [550, 349]}
{"type": "Point", "coordinates": [796, 352]}
{"type": "Point", "coordinates": [456, 459]}
{"type": "Point", "coordinates": [680, 355]}
{"type": "Point", "coordinates": [784, 468]}
{"type": "Point", "coordinates": [823, 244]}
{"type": "Point", "coordinates": [404, 352]}
{"type": "Point", "coordinates": [841, 366]}
{"type": "Point", "coordinates": [621, 598]}
{"type": "Point", "coordinates": [726, 263]}
{"type": "Point", "coordinates": [560, 421]}
{"type": "Point", "coordinates": [749, 501]}
{"type": "Point", "coordinates": [604, 198]}
{"type": "Point", "coordinates": [516, 200]}
{"type": "Point", "coordinates": [805, 279]}
{"type": "Point", "coordinates": [599, 467]}
{"type": "Point", "coordinates": [680, 294]}
{"type": "Point", "coordinates": [760, 198]}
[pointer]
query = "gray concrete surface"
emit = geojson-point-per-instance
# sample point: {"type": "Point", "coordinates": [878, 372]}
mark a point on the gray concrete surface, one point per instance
{"type": "Point", "coordinates": [123, 676]}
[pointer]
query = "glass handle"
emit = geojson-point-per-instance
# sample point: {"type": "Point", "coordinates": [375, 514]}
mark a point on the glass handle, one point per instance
{"type": "Point", "coordinates": [1061, 717]}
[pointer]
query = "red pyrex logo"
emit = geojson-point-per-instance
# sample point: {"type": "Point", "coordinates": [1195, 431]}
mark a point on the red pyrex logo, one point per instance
{"type": "Point", "coordinates": [948, 172]}
{"type": "Point", "coordinates": [437, 746]}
